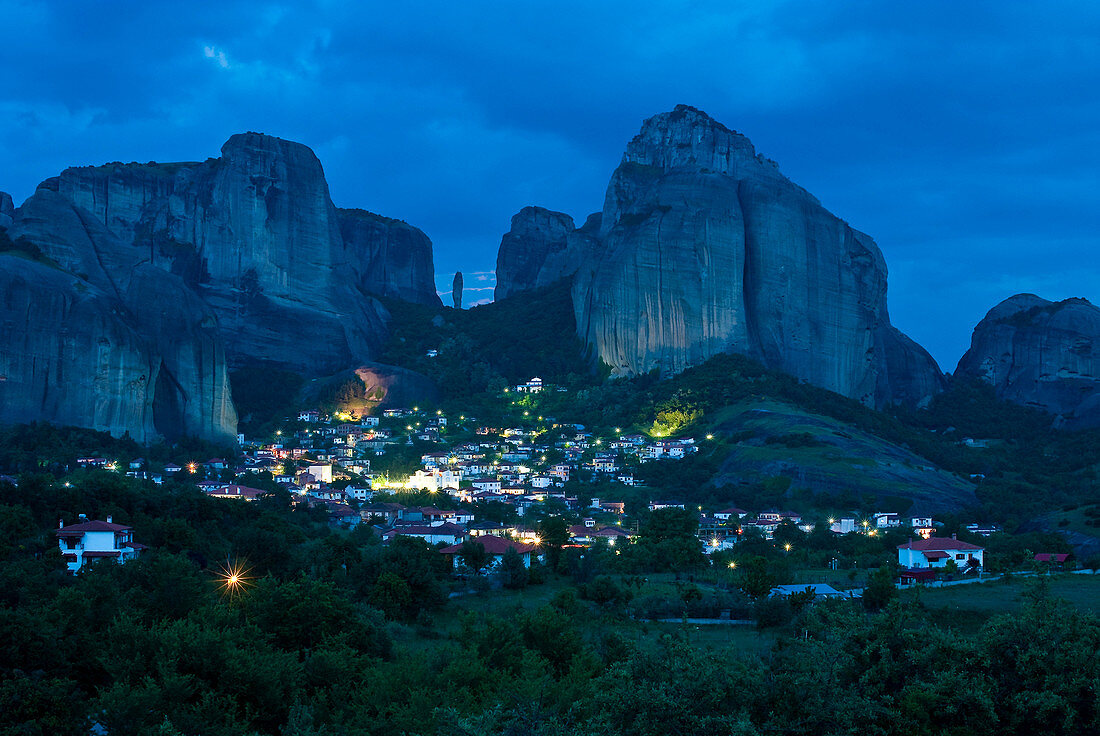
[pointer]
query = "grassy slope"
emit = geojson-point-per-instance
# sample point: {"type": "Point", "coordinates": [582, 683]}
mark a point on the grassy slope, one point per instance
{"type": "Point", "coordinates": [839, 459]}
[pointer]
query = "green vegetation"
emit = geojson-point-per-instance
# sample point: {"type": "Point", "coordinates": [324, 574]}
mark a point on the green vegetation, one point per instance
{"type": "Point", "coordinates": [487, 347]}
{"type": "Point", "coordinates": [334, 633]}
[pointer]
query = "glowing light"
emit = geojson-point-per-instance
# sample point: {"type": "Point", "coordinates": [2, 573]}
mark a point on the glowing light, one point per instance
{"type": "Point", "coordinates": [192, 468]}
{"type": "Point", "coordinates": [710, 436]}
{"type": "Point", "coordinates": [278, 432]}
{"type": "Point", "coordinates": [787, 546]}
{"type": "Point", "coordinates": [733, 565]}
{"type": "Point", "coordinates": [234, 578]}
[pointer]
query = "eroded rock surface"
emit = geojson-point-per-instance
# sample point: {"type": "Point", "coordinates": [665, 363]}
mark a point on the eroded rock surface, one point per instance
{"type": "Point", "coordinates": [1042, 354]}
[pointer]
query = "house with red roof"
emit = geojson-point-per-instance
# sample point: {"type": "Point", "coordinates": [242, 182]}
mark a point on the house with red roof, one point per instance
{"type": "Point", "coordinates": [496, 547]}
{"type": "Point", "coordinates": [936, 552]}
{"type": "Point", "coordinates": [96, 540]}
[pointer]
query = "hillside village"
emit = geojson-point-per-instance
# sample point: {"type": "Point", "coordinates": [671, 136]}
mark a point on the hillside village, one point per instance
{"type": "Point", "coordinates": [496, 484]}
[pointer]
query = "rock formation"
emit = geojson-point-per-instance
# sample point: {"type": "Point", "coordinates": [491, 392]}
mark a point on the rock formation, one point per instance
{"type": "Point", "coordinates": [1042, 354]}
{"type": "Point", "coordinates": [456, 290]}
{"type": "Point", "coordinates": [72, 353]}
{"type": "Point", "coordinates": [289, 276]}
{"type": "Point", "coordinates": [703, 247]}
{"type": "Point", "coordinates": [7, 210]}
{"type": "Point", "coordinates": [187, 269]}
{"type": "Point", "coordinates": [389, 257]}
{"type": "Point", "coordinates": [540, 248]}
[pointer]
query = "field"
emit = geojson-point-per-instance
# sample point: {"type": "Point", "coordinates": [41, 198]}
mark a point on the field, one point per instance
{"type": "Point", "coordinates": [968, 607]}
{"type": "Point", "coordinates": [745, 638]}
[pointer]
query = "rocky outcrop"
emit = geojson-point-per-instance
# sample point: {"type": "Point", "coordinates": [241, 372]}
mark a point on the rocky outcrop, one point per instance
{"type": "Point", "coordinates": [72, 353]}
{"type": "Point", "coordinates": [1042, 354]}
{"type": "Point", "coordinates": [704, 247]}
{"type": "Point", "coordinates": [289, 277]}
{"type": "Point", "coordinates": [540, 248]}
{"type": "Point", "coordinates": [186, 269]}
{"type": "Point", "coordinates": [456, 290]}
{"type": "Point", "coordinates": [191, 395]}
{"type": "Point", "coordinates": [7, 210]}
{"type": "Point", "coordinates": [390, 257]}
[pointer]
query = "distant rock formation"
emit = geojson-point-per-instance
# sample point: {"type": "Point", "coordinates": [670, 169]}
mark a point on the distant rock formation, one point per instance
{"type": "Point", "coordinates": [704, 247]}
{"type": "Point", "coordinates": [7, 210]}
{"type": "Point", "coordinates": [456, 290]}
{"type": "Point", "coordinates": [289, 276]}
{"type": "Point", "coordinates": [389, 257]}
{"type": "Point", "coordinates": [540, 248]}
{"type": "Point", "coordinates": [186, 270]}
{"type": "Point", "coordinates": [1042, 354]}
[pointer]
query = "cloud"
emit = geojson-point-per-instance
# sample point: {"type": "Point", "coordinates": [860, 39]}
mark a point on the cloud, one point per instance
{"type": "Point", "coordinates": [966, 143]}
{"type": "Point", "coordinates": [217, 55]}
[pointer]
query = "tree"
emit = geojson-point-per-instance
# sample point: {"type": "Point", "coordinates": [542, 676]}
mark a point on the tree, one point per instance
{"type": "Point", "coordinates": [514, 573]}
{"type": "Point", "coordinates": [554, 533]}
{"type": "Point", "coordinates": [474, 556]}
{"type": "Point", "coordinates": [756, 581]}
{"type": "Point", "coordinates": [881, 589]}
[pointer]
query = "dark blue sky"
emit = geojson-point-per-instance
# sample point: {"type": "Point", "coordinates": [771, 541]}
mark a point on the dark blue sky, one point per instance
{"type": "Point", "coordinates": [964, 137]}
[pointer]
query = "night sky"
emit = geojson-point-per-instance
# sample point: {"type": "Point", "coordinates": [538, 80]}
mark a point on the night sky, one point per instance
{"type": "Point", "coordinates": [964, 137]}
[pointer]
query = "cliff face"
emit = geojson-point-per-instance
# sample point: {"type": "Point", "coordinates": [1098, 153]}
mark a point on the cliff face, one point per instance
{"type": "Point", "coordinates": [1042, 354]}
{"type": "Point", "coordinates": [389, 257]}
{"type": "Point", "coordinates": [704, 247]}
{"type": "Point", "coordinates": [7, 210]}
{"type": "Point", "coordinates": [73, 353]}
{"type": "Point", "coordinates": [541, 247]}
{"type": "Point", "coordinates": [288, 276]}
{"type": "Point", "coordinates": [159, 277]}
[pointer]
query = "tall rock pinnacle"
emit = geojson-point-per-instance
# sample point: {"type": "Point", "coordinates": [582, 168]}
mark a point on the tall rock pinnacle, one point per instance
{"type": "Point", "coordinates": [704, 247]}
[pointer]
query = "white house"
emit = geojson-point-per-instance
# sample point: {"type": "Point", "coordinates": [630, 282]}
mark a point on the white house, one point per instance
{"type": "Point", "coordinates": [95, 540]}
{"type": "Point", "coordinates": [322, 472]}
{"type": "Point", "coordinates": [935, 552]}
{"type": "Point", "coordinates": [733, 511]}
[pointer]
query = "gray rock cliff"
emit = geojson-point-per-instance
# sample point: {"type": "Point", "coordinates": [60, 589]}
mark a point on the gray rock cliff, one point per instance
{"type": "Point", "coordinates": [73, 353]}
{"type": "Point", "coordinates": [540, 248]}
{"type": "Point", "coordinates": [705, 247]}
{"type": "Point", "coordinates": [390, 257]}
{"type": "Point", "coordinates": [1042, 354]}
{"type": "Point", "coordinates": [288, 275]}
{"type": "Point", "coordinates": [7, 210]}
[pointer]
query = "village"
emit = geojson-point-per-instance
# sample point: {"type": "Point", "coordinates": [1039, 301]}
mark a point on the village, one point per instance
{"type": "Point", "coordinates": [496, 484]}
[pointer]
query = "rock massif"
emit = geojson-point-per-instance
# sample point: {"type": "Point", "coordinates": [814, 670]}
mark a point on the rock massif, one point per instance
{"type": "Point", "coordinates": [135, 288]}
{"type": "Point", "coordinates": [541, 248]}
{"type": "Point", "coordinates": [1042, 354]}
{"type": "Point", "coordinates": [704, 247]}
{"type": "Point", "coordinates": [290, 277]}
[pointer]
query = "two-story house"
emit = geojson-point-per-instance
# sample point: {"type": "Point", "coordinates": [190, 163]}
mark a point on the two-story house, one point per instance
{"type": "Point", "coordinates": [95, 540]}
